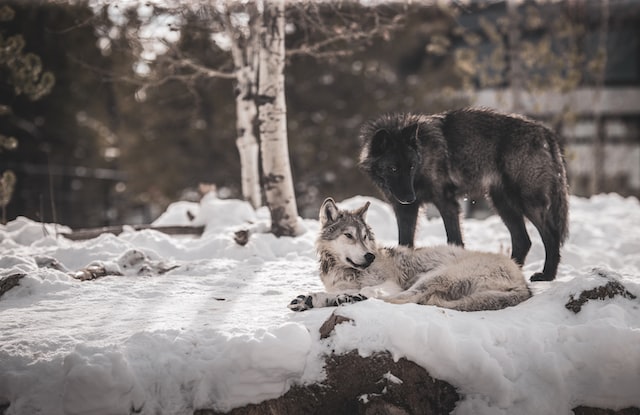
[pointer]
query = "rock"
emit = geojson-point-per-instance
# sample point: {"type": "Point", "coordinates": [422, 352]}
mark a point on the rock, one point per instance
{"type": "Point", "coordinates": [241, 237]}
{"type": "Point", "coordinates": [585, 410]}
{"type": "Point", "coordinates": [372, 385]}
{"type": "Point", "coordinates": [360, 385]}
{"type": "Point", "coordinates": [50, 262]}
{"type": "Point", "coordinates": [9, 282]}
{"type": "Point", "coordinates": [327, 327]}
{"type": "Point", "coordinates": [612, 288]}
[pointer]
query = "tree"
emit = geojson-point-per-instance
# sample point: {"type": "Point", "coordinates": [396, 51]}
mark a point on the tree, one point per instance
{"type": "Point", "coordinates": [532, 48]}
{"type": "Point", "coordinates": [272, 110]}
{"type": "Point", "coordinates": [23, 71]}
{"type": "Point", "coordinates": [236, 28]}
{"type": "Point", "coordinates": [253, 34]}
{"type": "Point", "coordinates": [343, 36]}
{"type": "Point", "coordinates": [245, 55]}
{"type": "Point", "coordinates": [258, 53]}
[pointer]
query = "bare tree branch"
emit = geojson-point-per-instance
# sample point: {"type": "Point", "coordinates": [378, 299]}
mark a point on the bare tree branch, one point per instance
{"type": "Point", "coordinates": [345, 33]}
{"type": "Point", "coordinates": [204, 71]}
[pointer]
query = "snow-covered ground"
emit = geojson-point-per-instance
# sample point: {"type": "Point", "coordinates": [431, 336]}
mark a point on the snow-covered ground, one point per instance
{"type": "Point", "coordinates": [203, 322]}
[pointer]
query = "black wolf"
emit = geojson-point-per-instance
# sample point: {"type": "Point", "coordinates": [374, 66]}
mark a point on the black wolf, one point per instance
{"type": "Point", "coordinates": [416, 159]}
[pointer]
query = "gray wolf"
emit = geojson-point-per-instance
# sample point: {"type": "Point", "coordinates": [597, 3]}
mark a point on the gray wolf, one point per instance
{"type": "Point", "coordinates": [416, 159]}
{"type": "Point", "coordinates": [353, 268]}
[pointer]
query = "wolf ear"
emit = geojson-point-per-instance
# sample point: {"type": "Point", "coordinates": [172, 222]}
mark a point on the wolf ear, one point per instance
{"type": "Point", "coordinates": [411, 133]}
{"type": "Point", "coordinates": [362, 212]}
{"type": "Point", "coordinates": [328, 211]}
{"type": "Point", "coordinates": [380, 142]}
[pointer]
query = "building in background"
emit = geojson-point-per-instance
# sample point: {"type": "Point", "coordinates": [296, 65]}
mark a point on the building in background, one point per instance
{"type": "Point", "coordinates": [574, 65]}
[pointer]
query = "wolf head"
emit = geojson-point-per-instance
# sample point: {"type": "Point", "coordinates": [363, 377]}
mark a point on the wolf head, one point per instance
{"type": "Point", "coordinates": [345, 236]}
{"type": "Point", "coordinates": [390, 154]}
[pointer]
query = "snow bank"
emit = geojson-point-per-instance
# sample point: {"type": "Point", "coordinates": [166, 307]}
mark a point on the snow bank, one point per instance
{"type": "Point", "coordinates": [192, 323]}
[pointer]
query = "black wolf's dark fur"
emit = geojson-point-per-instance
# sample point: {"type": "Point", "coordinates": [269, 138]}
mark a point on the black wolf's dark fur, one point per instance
{"type": "Point", "coordinates": [517, 162]}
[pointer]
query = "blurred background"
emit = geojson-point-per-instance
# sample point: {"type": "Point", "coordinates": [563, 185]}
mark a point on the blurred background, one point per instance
{"type": "Point", "coordinates": [109, 111]}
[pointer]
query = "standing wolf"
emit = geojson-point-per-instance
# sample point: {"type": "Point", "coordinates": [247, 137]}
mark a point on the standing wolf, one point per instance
{"type": "Point", "coordinates": [353, 267]}
{"type": "Point", "coordinates": [416, 159]}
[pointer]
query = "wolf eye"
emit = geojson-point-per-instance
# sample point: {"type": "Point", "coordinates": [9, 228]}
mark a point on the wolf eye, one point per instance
{"type": "Point", "coordinates": [394, 169]}
{"type": "Point", "coordinates": [348, 235]}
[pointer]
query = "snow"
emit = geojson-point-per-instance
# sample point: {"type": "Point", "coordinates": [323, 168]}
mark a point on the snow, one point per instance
{"type": "Point", "coordinates": [201, 322]}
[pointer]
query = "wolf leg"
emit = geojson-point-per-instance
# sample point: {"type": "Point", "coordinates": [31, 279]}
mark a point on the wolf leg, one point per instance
{"type": "Point", "coordinates": [341, 299]}
{"type": "Point", "coordinates": [472, 286]}
{"type": "Point", "coordinates": [420, 292]}
{"type": "Point", "coordinates": [551, 242]}
{"type": "Point", "coordinates": [404, 297]}
{"type": "Point", "coordinates": [450, 211]}
{"type": "Point", "coordinates": [513, 218]}
{"type": "Point", "coordinates": [541, 217]}
{"type": "Point", "coordinates": [406, 217]}
{"type": "Point", "coordinates": [301, 303]}
{"type": "Point", "coordinates": [463, 294]}
{"type": "Point", "coordinates": [305, 302]}
{"type": "Point", "coordinates": [385, 289]}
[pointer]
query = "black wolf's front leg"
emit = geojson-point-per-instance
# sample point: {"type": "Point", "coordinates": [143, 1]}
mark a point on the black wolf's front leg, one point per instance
{"type": "Point", "coordinates": [305, 302]}
{"type": "Point", "coordinates": [406, 217]}
{"type": "Point", "coordinates": [450, 211]}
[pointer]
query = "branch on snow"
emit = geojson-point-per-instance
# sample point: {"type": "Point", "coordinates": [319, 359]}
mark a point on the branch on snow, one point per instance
{"type": "Point", "coordinates": [9, 282]}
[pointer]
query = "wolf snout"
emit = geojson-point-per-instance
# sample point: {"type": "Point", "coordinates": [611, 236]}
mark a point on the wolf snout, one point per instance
{"type": "Point", "coordinates": [369, 257]}
{"type": "Point", "coordinates": [367, 260]}
{"type": "Point", "coordinates": [405, 199]}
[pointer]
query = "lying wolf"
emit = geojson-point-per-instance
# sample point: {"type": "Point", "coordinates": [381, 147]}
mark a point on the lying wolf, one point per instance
{"type": "Point", "coordinates": [354, 268]}
{"type": "Point", "coordinates": [417, 159]}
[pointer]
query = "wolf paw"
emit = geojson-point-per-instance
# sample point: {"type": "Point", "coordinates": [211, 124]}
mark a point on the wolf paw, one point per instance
{"type": "Point", "coordinates": [349, 298]}
{"type": "Point", "coordinates": [539, 276]}
{"type": "Point", "coordinates": [301, 303]}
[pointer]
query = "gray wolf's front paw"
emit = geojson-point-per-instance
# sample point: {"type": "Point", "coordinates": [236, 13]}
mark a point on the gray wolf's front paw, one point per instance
{"type": "Point", "coordinates": [349, 298]}
{"type": "Point", "coordinates": [301, 303]}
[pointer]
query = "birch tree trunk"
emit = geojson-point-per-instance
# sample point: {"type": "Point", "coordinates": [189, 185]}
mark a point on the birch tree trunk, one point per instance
{"type": "Point", "coordinates": [277, 178]}
{"type": "Point", "coordinates": [244, 52]}
{"type": "Point", "coordinates": [247, 143]}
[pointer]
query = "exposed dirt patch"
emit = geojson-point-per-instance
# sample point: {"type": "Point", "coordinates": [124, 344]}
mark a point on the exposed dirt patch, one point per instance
{"type": "Point", "coordinates": [609, 290]}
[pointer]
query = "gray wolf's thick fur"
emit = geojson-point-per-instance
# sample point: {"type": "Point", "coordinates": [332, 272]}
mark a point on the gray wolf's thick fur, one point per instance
{"type": "Point", "coordinates": [416, 159]}
{"type": "Point", "coordinates": [353, 267]}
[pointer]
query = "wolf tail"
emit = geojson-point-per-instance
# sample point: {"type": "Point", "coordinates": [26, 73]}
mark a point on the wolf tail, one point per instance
{"type": "Point", "coordinates": [559, 212]}
{"type": "Point", "coordinates": [483, 300]}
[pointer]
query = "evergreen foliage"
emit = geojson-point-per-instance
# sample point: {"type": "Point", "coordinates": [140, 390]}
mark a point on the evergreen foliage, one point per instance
{"type": "Point", "coordinates": [23, 71]}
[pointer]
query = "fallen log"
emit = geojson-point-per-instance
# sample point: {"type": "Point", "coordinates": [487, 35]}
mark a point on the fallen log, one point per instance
{"type": "Point", "coordinates": [90, 233]}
